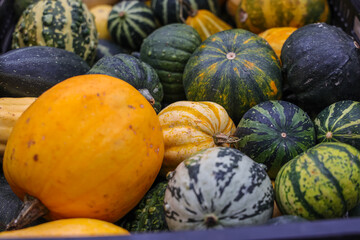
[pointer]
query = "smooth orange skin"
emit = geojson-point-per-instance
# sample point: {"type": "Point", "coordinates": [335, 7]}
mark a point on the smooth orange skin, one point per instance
{"type": "Point", "coordinates": [80, 227]}
{"type": "Point", "coordinates": [90, 147]}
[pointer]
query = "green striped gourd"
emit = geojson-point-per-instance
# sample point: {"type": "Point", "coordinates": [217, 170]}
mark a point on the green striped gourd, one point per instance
{"type": "Point", "coordinates": [339, 122]}
{"type": "Point", "coordinates": [234, 68]}
{"type": "Point", "coordinates": [135, 72]}
{"type": "Point", "coordinates": [273, 133]}
{"type": "Point", "coordinates": [217, 188]}
{"type": "Point", "coordinates": [66, 24]}
{"type": "Point", "coordinates": [130, 22]}
{"type": "Point", "coordinates": [167, 50]}
{"type": "Point", "coordinates": [168, 11]}
{"type": "Point", "coordinates": [323, 182]}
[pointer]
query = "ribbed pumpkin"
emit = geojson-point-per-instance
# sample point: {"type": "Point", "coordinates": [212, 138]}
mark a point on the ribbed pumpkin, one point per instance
{"type": "Point", "coordinates": [130, 22]}
{"type": "Point", "coordinates": [206, 23]}
{"type": "Point", "coordinates": [234, 68]}
{"type": "Point", "coordinates": [276, 37]}
{"type": "Point", "coordinates": [339, 122]}
{"type": "Point", "coordinates": [101, 14]}
{"type": "Point", "coordinates": [323, 182]}
{"type": "Point", "coordinates": [189, 127]}
{"type": "Point", "coordinates": [257, 16]}
{"type": "Point", "coordinates": [66, 24]}
{"type": "Point", "coordinates": [72, 149]}
{"type": "Point", "coordinates": [79, 227]}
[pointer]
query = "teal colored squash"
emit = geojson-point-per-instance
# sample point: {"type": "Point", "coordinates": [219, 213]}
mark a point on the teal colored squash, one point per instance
{"type": "Point", "coordinates": [149, 214]}
{"type": "Point", "coordinates": [234, 68]}
{"type": "Point", "coordinates": [285, 219]}
{"type": "Point", "coordinates": [168, 11]}
{"type": "Point", "coordinates": [130, 22]}
{"type": "Point", "coordinates": [321, 66]}
{"type": "Point", "coordinates": [273, 133]}
{"type": "Point", "coordinates": [339, 122]}
{"type": "Point", "coordinates": [66, 24]}
{"type": "Point", "coordinates": [167, 50]}
{"type": "Point", "coordinates": [321, 183]}
{"type": "Point", "coordinates": [135, 72]}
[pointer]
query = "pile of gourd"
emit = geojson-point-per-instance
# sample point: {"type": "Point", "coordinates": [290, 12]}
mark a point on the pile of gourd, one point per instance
{"type": "Point", "coordinates": [119, 117]}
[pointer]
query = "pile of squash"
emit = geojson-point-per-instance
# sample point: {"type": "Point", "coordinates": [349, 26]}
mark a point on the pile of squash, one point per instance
{"type": "Point", "coordinates": [120, 117]}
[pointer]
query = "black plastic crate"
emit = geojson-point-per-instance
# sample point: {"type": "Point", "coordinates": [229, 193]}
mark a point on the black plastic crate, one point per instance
{"type": "Point", "coordinates": [346, 14]}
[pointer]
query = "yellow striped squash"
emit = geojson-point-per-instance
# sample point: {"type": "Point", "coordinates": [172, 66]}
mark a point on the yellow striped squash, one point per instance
{"type": "Point", "coordinates": [189, 127]}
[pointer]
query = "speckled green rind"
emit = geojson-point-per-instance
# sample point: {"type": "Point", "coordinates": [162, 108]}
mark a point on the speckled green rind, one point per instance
{"type": "Point", "coordinates": [167, 50]}
{"type": "Point", "coordinates": [273, 133]}
{"type": "Point", "coordinates": [130, 22]}
{"type": "Point", "coordinates": [168, 11]}
{"type": "Point", "coordinates": [133, 71]}
{"type": "Point", "coordinates": [149, 214]}
{"type": "Point", "coordinates": [237, 84]}
{"type": "Point", "coordinates": [66, 24]}
{"type": "Point", "coordinates": [339, 122]}
{"type": "Point", "coordinates": [323, 182]}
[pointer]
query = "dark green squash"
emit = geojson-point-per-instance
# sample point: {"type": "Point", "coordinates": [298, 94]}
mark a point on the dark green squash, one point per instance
{"type": "Point", "coordinates": [167, 50]}
{"type": "Point", "coordinates": [149, 214]}
{"type": "Point", "coordinates": [107, 48]}
{"type": "Point", "coordinates": [21, 5]}
{"type": "Point", "coordinates": [339, 122]}
{"type": "Point", "coordinates": [321, 66]}
{"type": "Point", "coordinates": [273, 133]}
{"type": "Point", "coordinates": [130, 22]}
{"type": "Point", "coordinates": [7, 24]}
{"type": "Point", "coordinates": [236, 69]}
{"type": "Point", "coordinates": [29, 71]}
{"type": "Point", "coordinates": [134, 71]}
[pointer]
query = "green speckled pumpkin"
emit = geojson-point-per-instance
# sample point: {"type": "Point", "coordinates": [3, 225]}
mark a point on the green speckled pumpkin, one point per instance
{"type": "Point", "coordinates": [66, 24]}
{"type": "Point", "coordinates": [323, 182]}
{"type": "Point", "coordinates": [234, 68]}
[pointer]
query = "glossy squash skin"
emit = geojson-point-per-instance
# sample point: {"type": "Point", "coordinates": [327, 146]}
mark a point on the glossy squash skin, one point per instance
{"type": "Point", "coordinates": [206, 23]}
{"type": "Point", "coordinates": [73, 227]}
{"type": "Point", "coordinates": [234, 68]}
{"type": "Point", "coordinates": [189, 127]}
{"type": "Point", "coordinates": [257, 16]}
{"type": "Point", "coordinates": [90, 147]}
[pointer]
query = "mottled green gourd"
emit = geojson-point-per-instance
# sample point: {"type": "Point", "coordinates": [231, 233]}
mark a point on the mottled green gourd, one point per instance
{"type": "Point", "coordinates": [167, 50]}
{"type": "Point", "coordinates": [149, 214]}
{"type": "Point", "coordinates": [339, 122]}
{"type": "Point", "coordinates": [323, 182]}
{"type": "Point", "coordinates": [66, 24]}
{"type": "Point", "coordinates": [130, 22]}
{"type": "Point", "coordinates": [273, 133]}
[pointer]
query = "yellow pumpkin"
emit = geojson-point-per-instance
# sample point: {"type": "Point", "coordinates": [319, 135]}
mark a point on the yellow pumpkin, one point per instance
{"type": "Point", "coordinates": [206, 23]}
{"type": "Point", "coordinates": [101, 15]}
{"type": "Point", "coordinates": [72, 227]}
{"type": "Point", "coordinates": [10, 111]}
{"type": "Point", "coordinates": [93, 3]}
{"type": "Point", "coordinates": [89, 147]}
{"type": "Point", "coordinates": [276, 37]}
{"type": "Point", "coordinates": [189, 127]}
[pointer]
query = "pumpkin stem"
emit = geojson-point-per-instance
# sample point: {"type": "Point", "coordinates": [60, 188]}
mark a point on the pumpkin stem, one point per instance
{"type": "Point", "coordinates": [146, 93]}
{"type": "Point", "coordinates": [121, 14]}
{"type": "Point", "coordinates": [328, 135]}
{"type": "Point", "coordinates": [210, 221]}
{"type": "Point", "coordinates": [190, 11]}
{"type": "Point", "coordinates": [31, 210]}
{"type": "Point", "coordinates": [221, 138]}
{"type": "Point", "coordinates": [243, 15]}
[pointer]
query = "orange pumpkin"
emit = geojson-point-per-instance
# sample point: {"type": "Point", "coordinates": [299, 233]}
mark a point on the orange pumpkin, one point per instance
{"type": "Point", "coordinates": [276, 37]}
{"type": "Point", "coordinates": [206, 23]}
{"type": "Point", "coordinates": [89, 147]}
{"type": "Point", "coordinates": [189, 127]}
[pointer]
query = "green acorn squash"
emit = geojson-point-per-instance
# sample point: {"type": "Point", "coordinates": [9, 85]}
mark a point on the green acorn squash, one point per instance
{"type": "Point", "coordinates": [321, 66]}
{"type": "Point", "coordinates": [107, 48]}
{"type": "Point", "coordinates": [234, 68]}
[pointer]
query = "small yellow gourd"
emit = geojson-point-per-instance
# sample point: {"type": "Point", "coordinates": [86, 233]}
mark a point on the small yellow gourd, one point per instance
{"type": "Point", "coordinates": [101, 14]}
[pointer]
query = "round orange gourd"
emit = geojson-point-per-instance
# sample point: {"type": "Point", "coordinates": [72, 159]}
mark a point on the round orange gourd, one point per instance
{"type": "Point", "coordinates": [72, 227]}
{"type": "Point", "coordinates": [91, 146]}
{"type": "Point", "coordinates": [276, 37]}
{"type": "Point", "coordinates": [101, 15]}
{"type": "Point", "coordinates": [189, 127]}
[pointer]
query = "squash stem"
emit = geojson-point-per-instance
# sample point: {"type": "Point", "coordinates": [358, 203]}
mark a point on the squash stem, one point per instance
{"type": "Point", "coordinates": [210, 221]}
{"type": "Point", "coordinates": [221, 139]}
{"type": "Point", "coordinates": [146, 93]}
{"type": "Point", "coordinates": [190, 11]}
{"type": "Point", "coordinates": [31, 210]}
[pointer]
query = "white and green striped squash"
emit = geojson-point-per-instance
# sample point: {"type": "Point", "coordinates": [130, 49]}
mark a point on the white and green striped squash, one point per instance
{"type": "Point", "coordinates": [339, 122]}
{"type": "Point", "coordinates": [130, 22]}
{"type": "Point", "coordinates": [321, 183]}
{"type": "Point", "coordinates": [217, 188]}
{"type": "Point", "coordinates": [66, 24]}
